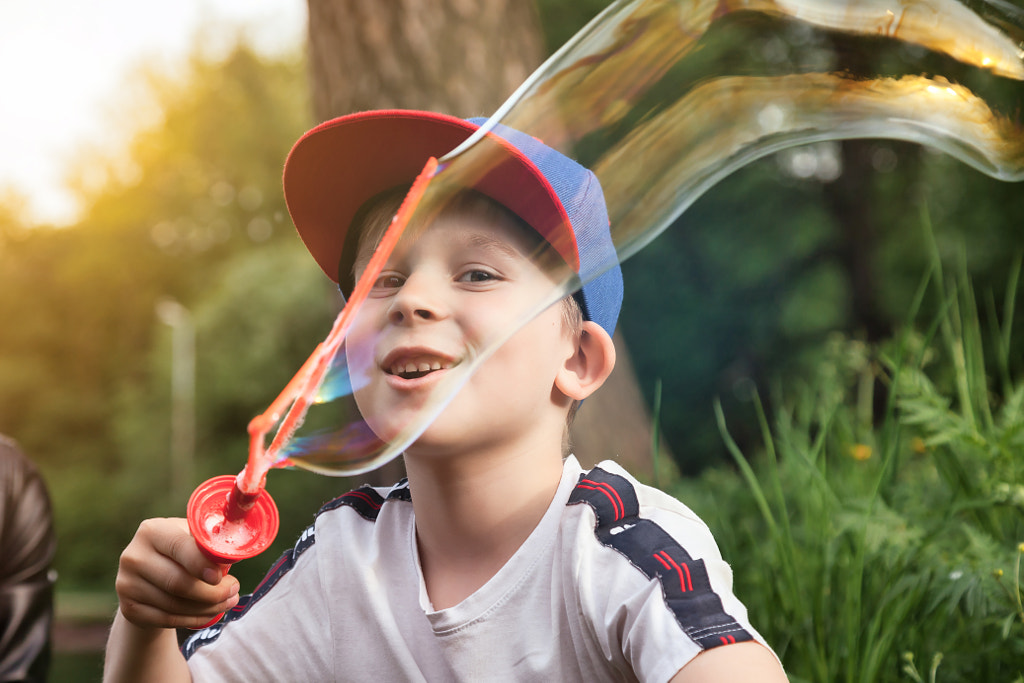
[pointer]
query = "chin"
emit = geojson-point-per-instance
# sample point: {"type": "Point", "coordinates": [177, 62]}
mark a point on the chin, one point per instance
{"type": "Point", "coordinates": [441, 441]}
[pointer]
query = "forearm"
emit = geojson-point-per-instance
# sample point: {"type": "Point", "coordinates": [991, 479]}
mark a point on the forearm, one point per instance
{"type": "Point", "coordinates": [135, 653]}
{"type": "Point", "coordinates": [748, 661]}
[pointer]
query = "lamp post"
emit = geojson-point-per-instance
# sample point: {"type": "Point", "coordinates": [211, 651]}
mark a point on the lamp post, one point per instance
{"type": "Point", "coordinates": [183, 391]}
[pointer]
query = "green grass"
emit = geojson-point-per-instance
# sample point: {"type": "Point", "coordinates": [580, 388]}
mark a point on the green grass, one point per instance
{"type": "Point", "coordinates": [866, 540]}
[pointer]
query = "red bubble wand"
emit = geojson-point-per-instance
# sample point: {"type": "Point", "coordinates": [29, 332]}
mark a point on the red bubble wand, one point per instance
{"type": "Point", "coordinates": [233, 517]}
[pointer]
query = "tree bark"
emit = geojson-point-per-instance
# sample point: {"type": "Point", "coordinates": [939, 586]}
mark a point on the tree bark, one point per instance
{"type": "Point", "coordinates": [851, 199]}
{"type": "Point", "coordinates": [461, 57]}
{"type": "Point", "coordinates": [614, 423]}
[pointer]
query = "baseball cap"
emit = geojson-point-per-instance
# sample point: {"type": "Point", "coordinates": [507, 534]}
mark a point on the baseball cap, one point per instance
{"type": "Point", "coordinates": [337, 166]}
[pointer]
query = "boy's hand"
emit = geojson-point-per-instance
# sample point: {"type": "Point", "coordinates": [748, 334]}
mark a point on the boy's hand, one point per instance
{"type": "Point", "coordinates": [165, 581]}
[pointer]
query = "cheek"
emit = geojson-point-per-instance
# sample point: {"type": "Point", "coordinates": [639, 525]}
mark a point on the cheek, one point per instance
{"type": "Point", "coordinates": [359, 353]}
{"type": "Point", "coordinates": [358, 370]}
{"type": "Point", "coordinates": [502, 320]}
{"type": "Point", "coordinates": [537, 350]}
{"type": "Point", "coordinates": [481, 327]}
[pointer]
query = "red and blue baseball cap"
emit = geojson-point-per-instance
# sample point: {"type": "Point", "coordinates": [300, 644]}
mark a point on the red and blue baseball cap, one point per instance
{"type": "Point", "coordinates": [336, 167]}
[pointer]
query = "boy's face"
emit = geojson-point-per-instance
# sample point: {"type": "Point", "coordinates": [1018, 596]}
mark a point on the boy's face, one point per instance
{"type": "Point", "coordinates": [440, 300]}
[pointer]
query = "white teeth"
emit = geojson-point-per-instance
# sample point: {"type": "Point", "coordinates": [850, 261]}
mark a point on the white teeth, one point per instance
{"type": "Point", "coordinates": [421, 365]}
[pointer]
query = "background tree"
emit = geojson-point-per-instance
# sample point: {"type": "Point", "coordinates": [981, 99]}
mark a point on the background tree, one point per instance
{"type": "Point", "coordinates": [456, 56]}
{"type": "Point", "coordinates": [84, 358]}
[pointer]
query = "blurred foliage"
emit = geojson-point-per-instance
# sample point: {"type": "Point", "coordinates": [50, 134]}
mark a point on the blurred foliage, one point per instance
{"type": "Point", "coordinates": [745, 287]}
{"type": "Point", "coordinates": [191, 211]}
{"type": "Point", "coordinates": [889, 541]}
{"type": "Point", "coordinates": [747, 284]}
{"type": "Point", "coordinates": [562, 19]}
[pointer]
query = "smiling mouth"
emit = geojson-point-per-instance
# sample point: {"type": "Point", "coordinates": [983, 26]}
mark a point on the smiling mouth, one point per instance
{"type": "Point", "coordinates": [414, 368]}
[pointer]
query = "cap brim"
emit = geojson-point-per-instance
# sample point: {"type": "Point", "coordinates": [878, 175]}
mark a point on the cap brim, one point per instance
{"type": "Point", "coordinates": [337, 166]}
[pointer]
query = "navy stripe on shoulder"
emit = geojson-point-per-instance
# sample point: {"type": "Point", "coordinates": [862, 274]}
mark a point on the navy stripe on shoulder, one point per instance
{"type": "Point", "coordinates": [400, 491]}
{"type": "Point", "coordinates": [365, 500]}
{"type": "Point", "coordinates": [684, 581]}
{"type": "Point", "coordinates": [279, 569]}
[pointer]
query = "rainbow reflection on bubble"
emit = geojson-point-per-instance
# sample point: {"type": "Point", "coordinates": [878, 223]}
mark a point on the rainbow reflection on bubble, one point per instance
{"type": "Point", "coordinates": [662, 100]}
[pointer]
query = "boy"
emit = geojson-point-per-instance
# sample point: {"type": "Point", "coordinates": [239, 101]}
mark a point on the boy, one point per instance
{"type": "Point", "coordinates": [496, 560]}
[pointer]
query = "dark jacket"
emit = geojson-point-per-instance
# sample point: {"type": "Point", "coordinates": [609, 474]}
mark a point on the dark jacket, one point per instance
{"type": "Point", "coordinates": [27, 547]}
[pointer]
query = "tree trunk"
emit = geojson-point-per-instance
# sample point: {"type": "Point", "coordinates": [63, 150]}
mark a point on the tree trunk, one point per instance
{"type": "Point", "coordinates": [461, 57]}
{"type": "Point", "coordinates": [850, 199]}
{"type": "Point", "coordinates": [614, 423]}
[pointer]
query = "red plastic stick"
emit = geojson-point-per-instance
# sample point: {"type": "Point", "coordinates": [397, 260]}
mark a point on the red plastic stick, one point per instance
{"type": "Point", "coordinates": [301, 390]}
{"type": "Point", "coordinates": [233, 518]}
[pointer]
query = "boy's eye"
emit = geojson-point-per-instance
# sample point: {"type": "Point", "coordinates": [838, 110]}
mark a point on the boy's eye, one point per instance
{"type": "Point", "coordinates": [477, 276]}
{"type": "Point", "coordinates": [389, 282]}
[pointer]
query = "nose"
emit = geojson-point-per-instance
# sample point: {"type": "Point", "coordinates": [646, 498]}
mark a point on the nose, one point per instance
{"type": "Point", "coordinates": [419, 299]}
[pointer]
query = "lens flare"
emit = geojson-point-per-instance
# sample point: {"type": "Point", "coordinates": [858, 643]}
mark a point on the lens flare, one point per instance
{"type": "Point", "coordinates": [661, 100]}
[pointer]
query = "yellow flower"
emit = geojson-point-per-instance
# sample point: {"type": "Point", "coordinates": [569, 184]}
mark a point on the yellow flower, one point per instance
{"type": "Point", "coordinates": [998, 573]}
{"type": "Point", "coordinates": [918, 446]}
{"type": "Point", "coordinates": [860, 451]}
{"type": "Point", "coordinates": [1020, 548]}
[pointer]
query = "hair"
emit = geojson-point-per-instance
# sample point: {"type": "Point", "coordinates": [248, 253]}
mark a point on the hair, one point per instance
{"type": "Point", "coordinates": [572, 316]}
{"type": "Point", "coordinates": [375, 215]}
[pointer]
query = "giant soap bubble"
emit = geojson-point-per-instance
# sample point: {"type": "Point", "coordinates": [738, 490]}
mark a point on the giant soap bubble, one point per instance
{"type": "Point", "coordinates": [662, 99]}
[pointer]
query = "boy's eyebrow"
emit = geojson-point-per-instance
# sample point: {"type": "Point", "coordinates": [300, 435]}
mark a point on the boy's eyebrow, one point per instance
{"type": "Point", "coordinates": [489, 243]}
{"type": "Point", "coordinates": [472, 240]}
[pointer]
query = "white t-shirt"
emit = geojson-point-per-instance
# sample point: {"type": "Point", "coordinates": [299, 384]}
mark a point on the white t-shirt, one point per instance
{"type": "Point", "coordinates": [618, 582]}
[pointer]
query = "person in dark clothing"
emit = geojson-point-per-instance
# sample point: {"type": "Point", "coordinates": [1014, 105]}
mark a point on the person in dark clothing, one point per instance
{"type": "Point", "coordinates": [27, 548]}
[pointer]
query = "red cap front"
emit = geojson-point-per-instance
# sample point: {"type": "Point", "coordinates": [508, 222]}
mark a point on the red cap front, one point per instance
{"type": "Point", "coordinates": [337, 166]}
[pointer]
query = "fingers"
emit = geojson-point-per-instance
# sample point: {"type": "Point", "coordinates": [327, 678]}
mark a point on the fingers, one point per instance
{"type": "Point", "coordinates": [173, 614]}
{"type": "Point", "coordinates": [165, 581]}
{"type": "Point", "coordinates": [171, 538]}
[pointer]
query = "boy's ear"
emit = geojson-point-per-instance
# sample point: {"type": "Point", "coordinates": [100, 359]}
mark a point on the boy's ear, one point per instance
{"type": "Point", "coordinates": [587, 369]}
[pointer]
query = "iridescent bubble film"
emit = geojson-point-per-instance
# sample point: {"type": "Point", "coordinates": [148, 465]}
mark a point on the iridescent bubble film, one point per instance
{"type": "Point", "coordinates": [662, 100]}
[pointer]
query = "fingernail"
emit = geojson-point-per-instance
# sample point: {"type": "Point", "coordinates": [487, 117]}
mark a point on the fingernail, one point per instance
{"type": "Point", "coordinates": [211, 576]}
